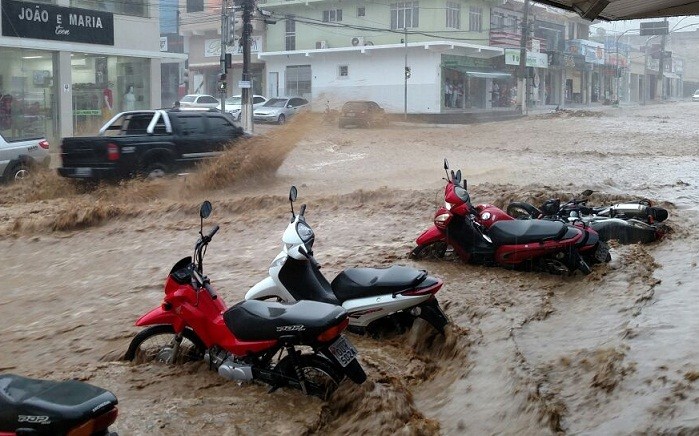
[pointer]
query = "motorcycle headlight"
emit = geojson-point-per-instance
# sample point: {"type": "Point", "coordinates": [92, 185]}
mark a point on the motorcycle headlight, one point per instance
{"type": "Point", "coordinates": [442, 220]}
{"type": "Point", "coordinates": [304, 231]}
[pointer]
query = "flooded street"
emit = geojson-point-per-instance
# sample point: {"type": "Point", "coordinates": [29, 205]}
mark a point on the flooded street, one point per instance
{"type": "Point", "coordinates": [614, 352]}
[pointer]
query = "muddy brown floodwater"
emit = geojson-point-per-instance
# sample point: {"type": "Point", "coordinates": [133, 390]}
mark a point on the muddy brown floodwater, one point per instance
{"type": "Point", "coordinates": [615, 352]}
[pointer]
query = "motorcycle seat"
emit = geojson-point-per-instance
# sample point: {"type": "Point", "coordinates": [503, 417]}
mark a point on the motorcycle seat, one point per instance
{"type": "Point", "coordinates": [513, 232]}
{"type": "Point", "coordinates": [254, 320]}
{"type": "Point", "coordinates": [368, 282]}
{"type": "Point", "coordinates": [50, 407]}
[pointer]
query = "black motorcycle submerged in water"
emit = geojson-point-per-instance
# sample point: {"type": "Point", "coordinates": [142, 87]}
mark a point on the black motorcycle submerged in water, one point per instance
{"type": "Point", "coordinates": [627, 223]}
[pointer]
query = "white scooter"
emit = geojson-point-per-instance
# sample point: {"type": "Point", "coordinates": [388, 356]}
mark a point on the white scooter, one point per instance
{"type": "Point", "coordinates": [397, 293]}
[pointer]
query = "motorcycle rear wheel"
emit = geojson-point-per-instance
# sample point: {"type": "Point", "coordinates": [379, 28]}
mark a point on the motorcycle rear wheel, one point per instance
{"type": "Point", "coordinates": [434, 250]}
{"type": "Point", "coordinates": [321, 376]}
{"type": "Point", "coordinates": [156, 343]}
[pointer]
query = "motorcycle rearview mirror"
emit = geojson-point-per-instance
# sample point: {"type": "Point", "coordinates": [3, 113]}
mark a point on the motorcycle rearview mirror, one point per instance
{"type": "Point", "coordinates": [446, 167]}
{"type": "Point", "coordinates": [293, 193]}
{"type": "Point", "coordinates": [586, 193]}
{"type": "Point", "coordinates": [458, 177]}
{"type": "Point", "coordinates": [204, 212]}
{"type": "Point", "coordinates": [205, 209]}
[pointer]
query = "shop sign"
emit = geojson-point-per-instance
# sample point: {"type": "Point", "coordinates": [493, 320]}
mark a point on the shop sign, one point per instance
{"type": "Point", "coordinates": [212, 47]}
{"type": "Point", "coordinates": [452, 61]}
{"type": "Point", "coordinates": [535, 60]}
{"type": "Point", "coordinates": [593, 52]}
{"type": "Point", "coordinates": [42, 21]}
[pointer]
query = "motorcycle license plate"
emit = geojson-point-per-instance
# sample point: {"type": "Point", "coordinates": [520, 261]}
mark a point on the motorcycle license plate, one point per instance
{"type": "Point", "coordinates": [343, 351]}
{"type": "Point", "coordinates": [602, 252]}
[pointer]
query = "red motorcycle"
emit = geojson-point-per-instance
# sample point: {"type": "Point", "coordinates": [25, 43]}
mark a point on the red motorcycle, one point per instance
{"type": "Point", "coordinates": [45, 407]}
{"type": "Point", "coordinates": [252, 340]}
{"type": "Point", "coordinates": [485, 234]}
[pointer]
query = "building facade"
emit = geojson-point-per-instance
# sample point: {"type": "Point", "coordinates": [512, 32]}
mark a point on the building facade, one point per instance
{"type": "Point", "coordinates": [69, 65]}
{"type": "Point", "coordinates": [431, 56]}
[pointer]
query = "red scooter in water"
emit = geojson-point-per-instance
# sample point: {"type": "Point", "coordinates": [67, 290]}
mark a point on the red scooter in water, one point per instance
{"type": "Point", "coordinates": [485, 234]}
{"type": "Point", "coordinates": [252, 340]}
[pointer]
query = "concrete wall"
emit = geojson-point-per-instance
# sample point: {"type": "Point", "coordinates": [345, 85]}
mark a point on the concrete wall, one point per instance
{"type": "Point", "coordinates": [372, 76]}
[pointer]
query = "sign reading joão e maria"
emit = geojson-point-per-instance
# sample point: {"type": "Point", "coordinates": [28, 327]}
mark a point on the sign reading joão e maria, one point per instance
{"type": "Point", "coordinates": [43, 21]}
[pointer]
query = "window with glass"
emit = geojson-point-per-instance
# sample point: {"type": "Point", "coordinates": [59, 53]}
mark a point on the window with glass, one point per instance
{"type": "Point", "coordinates": [497, 22]}
{"type": "Point", "coordinates": [136, 8]}
{"type": "Point", "coordinates": [405, 15]}
{"type": "Point", "coordinates": [290, 35]}
{"type": "Point", "coordinates": [513, 23]}
{"type": "Point", "coordinates": [361, 11]}
{"type": "Point", "coordinates": [195, 5]}
{"type": "Point", "coordinates": [28, 104]}
{"type": "Point", "coordinates": [475, 19]}
{"type": "Point", "coordinates": [298, 80]}
{"type": "Point", "coordinates": [453, 15]}
{"type": "Point", "coordinates": [332, 15]}
{"type": "Point", "coordinates": [106, 85]}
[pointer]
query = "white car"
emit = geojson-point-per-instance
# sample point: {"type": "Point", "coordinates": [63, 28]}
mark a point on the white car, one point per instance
{"type": "Point", "coordinates": [695, 97]}
{"type": "Point", "coordinates": [234, 103]}
{"type": "Point", "coordinates": [19, 157]}
{"type": "Point", "coordinates": [200, 101]}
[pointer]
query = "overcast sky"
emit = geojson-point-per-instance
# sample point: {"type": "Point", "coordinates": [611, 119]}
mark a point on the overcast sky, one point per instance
{"type": "Point", "coordinates": [677, 24]}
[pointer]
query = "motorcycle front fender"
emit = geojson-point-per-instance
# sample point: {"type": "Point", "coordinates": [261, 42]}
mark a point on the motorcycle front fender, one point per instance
{"type": "Point", "coordinates": [431, 235]}
{"type": "Point", "coordinates": [161, 316]}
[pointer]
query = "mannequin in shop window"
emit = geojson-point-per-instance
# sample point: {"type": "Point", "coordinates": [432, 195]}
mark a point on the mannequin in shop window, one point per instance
{"type": "Point", "coordinates": [129, 99]}
{"type": "Point", "coordinates": [107, 102]}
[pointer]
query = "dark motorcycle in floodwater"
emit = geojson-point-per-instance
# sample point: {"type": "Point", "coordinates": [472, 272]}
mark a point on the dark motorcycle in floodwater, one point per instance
{"type": "Point", "coordinates": [43, 407]}
{"type": "Point", "coordinates": [627, 223]}
{"type": "Point", "coordinates": [485, 234]}
{"type": "Point", "coordinates": [299, 345]}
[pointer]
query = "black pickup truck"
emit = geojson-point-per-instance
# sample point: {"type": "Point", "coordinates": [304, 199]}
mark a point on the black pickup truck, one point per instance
{"type": "Point", "coordinates": [149, 143]}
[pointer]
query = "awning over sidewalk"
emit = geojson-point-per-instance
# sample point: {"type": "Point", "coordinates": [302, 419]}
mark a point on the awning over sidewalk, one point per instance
{"type": "Point", "coordinates": [488, 74]}
{"type": "Point", "coordinates": [671, 76]}
{"type": "Point", "coordinates": [469, 71]}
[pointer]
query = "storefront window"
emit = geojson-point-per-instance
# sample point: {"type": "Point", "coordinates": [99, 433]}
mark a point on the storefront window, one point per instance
{"type": "Point", "coordinates": [27, 94]}
{"type": "Point", "coordinates": [106, 85]}
{"type": "Point", "coordinates": [136, 8]}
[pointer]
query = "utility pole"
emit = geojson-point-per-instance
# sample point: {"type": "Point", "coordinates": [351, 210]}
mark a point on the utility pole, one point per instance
{"type": "Point", "coordinates": [661, 66]}
{"type": "Point", "coordinates": [246, 103]}
{"type": "Point", "coordinates": [224, 67]}
{"type": "Point", "coordinates": [407, 73]}
{"type": "Point", "coordinates": [523, 85]}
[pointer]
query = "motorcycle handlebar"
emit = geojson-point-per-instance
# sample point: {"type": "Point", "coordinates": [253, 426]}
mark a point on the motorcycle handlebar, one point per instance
{"type": "Point", "coordinates": [210, 290]}
{"type": "Point", "coordinates": [212, 232]}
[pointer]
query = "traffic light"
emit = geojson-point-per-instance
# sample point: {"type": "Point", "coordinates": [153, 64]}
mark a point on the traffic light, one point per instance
{"type": "Point", "coordinates": [222, 86]}
{"type": "Point", "coordinates": [407, 72]}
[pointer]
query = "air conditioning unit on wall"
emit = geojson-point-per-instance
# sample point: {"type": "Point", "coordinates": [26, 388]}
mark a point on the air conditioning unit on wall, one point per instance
{"type": "Point", "coordinates": [321, 44]}
{"type": "Point", "coordinates": [357, 41]}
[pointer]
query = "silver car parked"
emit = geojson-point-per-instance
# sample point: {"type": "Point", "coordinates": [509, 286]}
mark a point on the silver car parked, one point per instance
{"type": "Point", "coordinates": [278, 110]}
{"type": "Point", "coordinates": [19, 156]}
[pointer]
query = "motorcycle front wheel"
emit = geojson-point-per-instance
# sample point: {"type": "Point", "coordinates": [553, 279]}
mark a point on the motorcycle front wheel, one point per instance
{"type": "Point", "coordinates": [522, 211]}
{"type": "Point", "coordinates": [320, 375]}
{"type": "Point", "coordinates": [158, 343]}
